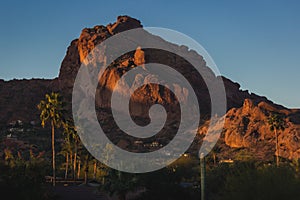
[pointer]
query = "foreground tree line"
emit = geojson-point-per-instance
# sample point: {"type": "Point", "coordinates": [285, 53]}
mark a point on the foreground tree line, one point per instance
{"type": "Point", "coordinates": [77, 158]}
{"type": "Point", "coordinates": [243, 179]}
{"type": "Point", "coordinates": [22, 177]}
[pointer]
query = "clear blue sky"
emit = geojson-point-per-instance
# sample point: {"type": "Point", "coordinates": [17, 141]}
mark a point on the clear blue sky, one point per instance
{"type": "Point", "coordinates": [255, 43]}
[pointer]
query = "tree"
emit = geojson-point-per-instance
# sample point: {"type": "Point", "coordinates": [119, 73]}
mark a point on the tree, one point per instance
{"type": "Point", "coordinates": [247, 181]}
{"type": "Point", "coordinates": [67, 149]}
{"type": "Point", "coordinates": [66, 153]}
{"type": "Point", "coordinates": [276, 123]}
{"type": "Point", "coordinates": [72, 144]}
{"type": "Point", "coordinates": [77, 146]}
{"type": "Point", "coordinates": [95, 167]}
{"type": "Point", "coordinates": [116, 182]}
{"type": "Point", "coordinates": [120, 184]}
{"type": "Point", "coordinates": [8, 156]}
{"type": "Point", "coordinates": [52, 110]}
{"type": "Point", "coordinates": [23, 178]}
{"type": "Point", "coordinates": [86, 156]}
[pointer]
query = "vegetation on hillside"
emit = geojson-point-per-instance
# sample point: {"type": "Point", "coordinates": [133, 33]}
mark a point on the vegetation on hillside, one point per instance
{"type": "Point", "coordinates": [241, 178]}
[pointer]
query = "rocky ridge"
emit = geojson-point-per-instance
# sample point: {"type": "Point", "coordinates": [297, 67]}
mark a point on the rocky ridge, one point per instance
{"type": "Point", "coordinates": [245, 125]}
{"type": "Point", "coordinates": [247, 128]}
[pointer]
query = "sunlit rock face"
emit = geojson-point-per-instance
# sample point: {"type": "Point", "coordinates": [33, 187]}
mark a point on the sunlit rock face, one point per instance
{"type": "Point", "coordinates": [246, 125]}
{"type": "Point", "coordinates": [91, 37]}
{"type": "Point", "coordinates": [246, 121]}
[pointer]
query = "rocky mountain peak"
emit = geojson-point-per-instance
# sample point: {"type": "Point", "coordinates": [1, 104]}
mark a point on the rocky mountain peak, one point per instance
{"type": "Point", "coordinates": [247, 127]}
{"type": "Point", "coordinates": [246, 120]}
{"type": "Point", "coordinates": [247, 106]}
{"type": "Point", "coordinates": [123, 23]}
{"type": "Point", "coordinates": [91, 37]}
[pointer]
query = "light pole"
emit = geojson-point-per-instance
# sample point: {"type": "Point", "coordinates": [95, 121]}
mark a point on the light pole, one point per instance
{"type": "Point", "coordinates": [203, 174]}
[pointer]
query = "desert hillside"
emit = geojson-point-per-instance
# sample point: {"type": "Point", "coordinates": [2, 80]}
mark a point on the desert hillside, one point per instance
{"type": "Point", "coordinates": [246, 124]}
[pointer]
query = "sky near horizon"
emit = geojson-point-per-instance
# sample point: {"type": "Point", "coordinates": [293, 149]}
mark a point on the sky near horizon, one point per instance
{"type": "Point", "coordinates": [254, 43]}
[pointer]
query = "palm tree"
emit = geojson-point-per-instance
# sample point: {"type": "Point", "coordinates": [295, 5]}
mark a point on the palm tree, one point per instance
{"type": "Point", "coordinates": [72, 143]}
{"type": "Point", "coordinates": [8, 156]}
{"type": "Point", "coordinates": [77, 145]}
{"type": "Point", "coordinates": [69, 131]}
{"type": "Point", "coordinates": [95, 168]}
{"type": "Point", "coordinates": [52, 110]}
{"type": "Point", "coordinates": [79, 167]}
{"type": "Point", "coordinates": [85, 160]}
{"type": "Point", "coordinates": [276, 123]}
{"type": "Point", "coordinates": [66, 153]}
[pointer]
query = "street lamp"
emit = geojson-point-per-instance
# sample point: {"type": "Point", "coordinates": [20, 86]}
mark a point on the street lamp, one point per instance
{"type": "Point", "coordinates": [202, 174]}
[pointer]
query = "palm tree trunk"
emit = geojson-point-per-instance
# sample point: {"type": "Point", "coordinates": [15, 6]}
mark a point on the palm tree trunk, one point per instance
{"type": "Point", "coordinates": [78, 170]}
{"type": "Point", "coordinates": [215, 159]}
{"type": "Point", "coordinates": [95, 170]}
{"type": "Point", "coordinates": [53, 153]}
{"type": "Point", "coordinates": [71, 164]}
{"type": "Point", "coordinates": [75, 162]}
{"type": "Point", "coordinates": [85, 177]}
{"type": "Point", "coordinates": [86, 171]}
{"type": "Point", "coordinates": [103, 180]}
{"type": "Point", "coordinates": [277, 148]}
{"type": "Point", "coordinates": [67, 165]}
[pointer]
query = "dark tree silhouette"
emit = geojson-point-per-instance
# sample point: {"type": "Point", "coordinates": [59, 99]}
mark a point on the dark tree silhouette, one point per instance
{"type": "Point", "coordinates": [52, 110]}
{"type": "Point", "coordinates": [277, 124]}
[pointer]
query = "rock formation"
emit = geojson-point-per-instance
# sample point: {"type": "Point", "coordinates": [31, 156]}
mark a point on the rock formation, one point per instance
{"type": "Point", "coordinates": [91, 37]}
{"type": "Point", "coordinates": [139, 57]}
{"type": "Point", "coordinates": [248, 127]}
{"type": "Point", "coordinates": [245, 126]}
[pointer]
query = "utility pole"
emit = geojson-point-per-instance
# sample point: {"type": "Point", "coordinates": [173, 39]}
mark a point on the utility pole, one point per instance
{"type": "Point", "coordinates": [203, 174]}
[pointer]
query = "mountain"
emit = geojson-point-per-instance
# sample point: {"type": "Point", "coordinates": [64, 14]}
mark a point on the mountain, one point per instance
{"type": "Point", "coordinates": [247, 127]}
{"type": "Point", "coordinates": [246, 117]}
{"type": "Point", "coordinates": [19, 99]}
{"type": "Point", "coordinates": [91, 37]}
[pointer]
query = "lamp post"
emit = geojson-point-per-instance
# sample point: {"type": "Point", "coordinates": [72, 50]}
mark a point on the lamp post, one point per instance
{"type": "Point", "coordinates": [203, 174]}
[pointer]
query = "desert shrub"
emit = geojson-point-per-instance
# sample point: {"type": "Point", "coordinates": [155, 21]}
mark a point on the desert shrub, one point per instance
{"type": "Point", "coordinates": [23, 180]}
{"type": "Point", "coordinates": [249, 182]}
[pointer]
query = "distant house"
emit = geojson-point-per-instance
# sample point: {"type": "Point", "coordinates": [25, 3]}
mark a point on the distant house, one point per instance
{"type": "Point", "coordinates": [227, 161]}
{"type": "Point", "coordinates": [19, 122]}
{"type": "Point", "coordinates": [12, 123]}
{"type": "Point", "coordinates": [11, 136]}
{"type": "Point", "coordinates": [138, 142]}
{"type": "Point", "coordinates": [153, 144]}
{"type": "Point", "coordinates": [20, 130]}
